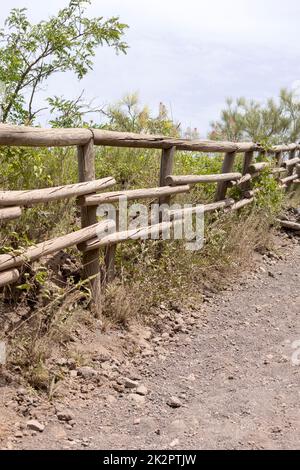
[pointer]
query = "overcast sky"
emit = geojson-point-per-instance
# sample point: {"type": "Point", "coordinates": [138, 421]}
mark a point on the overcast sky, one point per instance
{"type": "Point", "coordinates": [189, 54]}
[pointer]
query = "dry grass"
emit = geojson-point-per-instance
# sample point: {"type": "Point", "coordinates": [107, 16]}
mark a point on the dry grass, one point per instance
{"type": "Point", "coordinates": [41, 333]}
{"type": "Point", "coordinates": [143, 283]}
{"type": "Point", "coordinates": [180, 275]}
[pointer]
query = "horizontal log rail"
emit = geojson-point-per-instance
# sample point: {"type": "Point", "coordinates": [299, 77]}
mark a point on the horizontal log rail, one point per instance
{"type": "Point", "coordinates": [289, 224]}
{"type": "Point", "coordinates": [35, 196]}
{"type": "Point", "coordinates": [9, 277]}
{"type": "Point", "coordinates": [289, 179]}
{"type": "Point", "coordinates": [205, 208]}
{"type": "Point", "coordinates": [242, 203]}
{"type": "Point", "coordinates": [126, 235]}
{"type": "Point", "coordinates": [291, 162]}
{"type": "Point", "coordinates": [251, 193]}
{"type": "Point", "coordinates": [8, 261]}
{"type": "Point", "coordinates": [11, 135]}
{"type": "Point", "coordinates": [257, 167]}
{"type": "Point", "coordinates": [10, 213]}
{"type": "Point", "coordinates": [173, 180]}
{"type": "Point", "coordinates": [279, 170]}
{"type": "Point", "coordinates": [285, 148]}
{"type": "Point", "coordinates": [131, 194]}
{"type": "Point", "coordinates": [241, 182]}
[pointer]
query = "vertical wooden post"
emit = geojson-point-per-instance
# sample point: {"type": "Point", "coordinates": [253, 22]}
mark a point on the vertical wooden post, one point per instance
{"type": "Point", "coordinates": [248, 157]}
{"type": "Point", "coordinates": [110, 256]}
{"type": "Point", "coordinates": [90, 259]}
{"type": "Point", "coordinates": [226, 168]}
{"type": "Point", "coordinates": [290, 171]}
{"type": "Point", "coordinates": [166, 169]}
{"type": "Point", "coordinates": [278, 158]}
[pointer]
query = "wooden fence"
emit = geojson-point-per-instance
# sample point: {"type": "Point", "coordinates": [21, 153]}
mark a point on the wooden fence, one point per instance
{"type": "Point", "coordinates": [89, 190]}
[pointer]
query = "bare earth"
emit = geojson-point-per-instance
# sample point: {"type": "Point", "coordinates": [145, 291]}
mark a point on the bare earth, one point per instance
{"type": "Point", "coordinates": [232, 372]}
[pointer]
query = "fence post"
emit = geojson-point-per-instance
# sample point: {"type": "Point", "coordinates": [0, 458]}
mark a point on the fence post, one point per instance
{"type": "Point", "coordinates": [226, 168]}
{"type": "Point", "coordinates": [90, 259]}
{"type": "Point", "coordinates": [110, 256]}
{"type": "Point", "coordinates": [166, 169]}
{"type": "Point", "coordinates": [278, 158]}
{"type": "Point", "coordinates": [290, 171]}
{"type": "Point", "coordinates": [248, 157]}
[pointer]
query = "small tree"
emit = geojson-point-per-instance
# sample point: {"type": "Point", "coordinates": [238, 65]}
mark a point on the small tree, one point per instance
{"type": "Point", "coordinates": [128, 115]}
{"type": "Point", "coordinates": [31, 53]}
{"type": "Point", "coordinates": [273, 122]}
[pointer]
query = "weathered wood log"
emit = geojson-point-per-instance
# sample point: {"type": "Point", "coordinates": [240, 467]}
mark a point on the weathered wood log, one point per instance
{"type": "Point", "coordinates": [131, 194]}
{"type": "Point", "coordinates": [278, 158]}
{"type": "Point", "coordinates": [10, 213]}
{"type": "Point", "coordinates": [289, 179]}
{"type": "Point", "coordinates": [291, 162]}
{"type": "Point", "coordinates": [36, 196]}
{"type": "Point", "coordinates": [91, 260]}
{"type": "Point", "coordinates": [226, 168]}
{"type": "Point", "coordinates": [251, 193]}
{"type": "Point", "coordinates": [122, 139]}
{"type": "Point", "coordinates": [8, 261]}
{"type": "Point", "coordinates": [173, 180]}
{"type": "Point", "coordinates": [290, 168]}
{"type": "Point", "coordinates": [279, 170]}
{"type": "Point", "coordinates": [241, 183]}
{"type": "Point", "coordinates": [248, 157]}
{"type": "Point", "coordinates": [205, 207]}
{"type": "Point", "coordinates": [241, 203]}
{"type": "Point", "coordinates": [110, 256]}
{"type": "Point", "coordinates": [166, 168]}
{"type": "Point", "coordinates": [119, 237]}
{"type": "Point", "coordinates": [289, 224]}
{"type": "Point", "coordinates": [245, 184]}
{"type": "Point", "coordinates": [38, 137]}
{"type": "Point", "coordinates": [284, 148]}
{"type": "Point", "coordinates": [257, 167]}
{"type": "Point", "coordinates": [9, 277]}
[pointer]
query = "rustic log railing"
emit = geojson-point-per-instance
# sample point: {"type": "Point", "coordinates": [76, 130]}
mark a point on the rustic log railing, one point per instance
{"type": "Point", "coordinates": [89, 190]}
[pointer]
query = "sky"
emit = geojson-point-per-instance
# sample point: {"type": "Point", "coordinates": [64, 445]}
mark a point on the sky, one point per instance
{"type": "Point", "coordinates": [191, 55]}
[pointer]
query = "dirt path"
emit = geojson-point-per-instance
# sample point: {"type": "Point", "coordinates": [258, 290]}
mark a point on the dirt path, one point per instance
{"type": "Point", "coordinates": [234, 377]}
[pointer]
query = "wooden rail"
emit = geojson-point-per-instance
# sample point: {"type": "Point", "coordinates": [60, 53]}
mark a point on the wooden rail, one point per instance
{"type": "Point", "coordinates": [39, 137]}
{"type": "Point", "coordinates": [195, 179]}
{"type": "Point", "coordinates": [94, 235]}
{"type": "Point", "coordinates": [96, 199]}
{"type": "Point", "coordinates": [37, 196]}
{"type": "Point", "coordinates": [10, 213]}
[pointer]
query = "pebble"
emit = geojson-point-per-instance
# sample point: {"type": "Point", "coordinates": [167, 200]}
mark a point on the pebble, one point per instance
{"type": "Point", "coordinates": [128, 383]}
{"type": "Point", "coordinates": [174, 443]}
{"type": "Point", "coordinates": [142, 390]}
{"type": "Point", "coordinates": [35, 425]}
{"type": "Point", "coordinates": [87, 372]}
{"type": "Point", "coordinates": [138, 399]}
{"type": "Point", "coordinates": [65, 415]}
{"type": "Point", "coordinates": [174, 402]}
